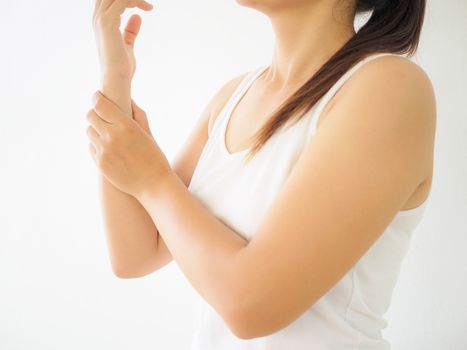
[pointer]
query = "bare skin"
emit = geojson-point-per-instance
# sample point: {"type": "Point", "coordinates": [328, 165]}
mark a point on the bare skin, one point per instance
{"type": "Point", "coordinates": [299, 52]}
{"type": "Point", "coordinates": [259, 102]}
{"type": "Point", "coordinates": [365, 163]}
{"type": "Point", "coordinates": [135, 246]}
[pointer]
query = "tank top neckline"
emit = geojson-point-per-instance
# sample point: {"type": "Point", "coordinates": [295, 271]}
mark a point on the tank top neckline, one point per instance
{"type": "Point", "coordinates": [254, 75]}
{"type": "Point", "coordinates": [232, 104]}
{"type": "Point", "coordinates": [316, 109]}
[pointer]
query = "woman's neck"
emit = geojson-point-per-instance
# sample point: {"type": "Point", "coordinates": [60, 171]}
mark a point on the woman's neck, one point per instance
{"type": "Point", "coordinates": [306, 37]}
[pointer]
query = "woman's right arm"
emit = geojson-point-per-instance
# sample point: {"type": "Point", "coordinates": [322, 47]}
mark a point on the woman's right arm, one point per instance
{"type": "Point", "coordinates": [135, 246]}
{"type": "Point", "coordinates": [130, 232]}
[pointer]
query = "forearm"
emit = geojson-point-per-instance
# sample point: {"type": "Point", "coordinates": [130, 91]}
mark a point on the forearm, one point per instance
{"type": "Point", "coordinates": [130, 231]}
{"type": "Point", "coordinates": [118, 90]}
{"type": "Point", "coordinates": [203, 246]}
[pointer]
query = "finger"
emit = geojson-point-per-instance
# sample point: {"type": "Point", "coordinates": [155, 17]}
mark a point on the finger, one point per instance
{"type": "Point", "coordinates": [136, 110]}
{"type": "Point", "coordinates": [140, 117]}
{"type": "Point", "coordinates": [93, 137]}
{"type": "Point", "coordinates": [119, 6]}
{"type": "Point", "coordinates": [99, 124]}
{"type": "Point", "coordinates": [132, 29]}
{"type": "Point", "coordinates": [108, 110]}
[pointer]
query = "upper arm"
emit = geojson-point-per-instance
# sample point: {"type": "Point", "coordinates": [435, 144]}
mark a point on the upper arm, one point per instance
{"type": "Point", "coordinates": [186, 159]}
{"type": "Point", "coordinates": [350, 180]}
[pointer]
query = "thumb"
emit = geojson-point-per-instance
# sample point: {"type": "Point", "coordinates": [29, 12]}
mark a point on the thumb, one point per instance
{"type": "Point", "coordinates": [131, 30]}
{"type": "Point", "coordinates": [140, 116]}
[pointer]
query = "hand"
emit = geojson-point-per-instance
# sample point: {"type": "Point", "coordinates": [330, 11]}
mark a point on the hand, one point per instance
{"type": "Point", "coordinates": [124, 152]}
{"type": "Point", "coordinates": [116, 52]}
{"type": "Point", "coordinates": [140, 117]}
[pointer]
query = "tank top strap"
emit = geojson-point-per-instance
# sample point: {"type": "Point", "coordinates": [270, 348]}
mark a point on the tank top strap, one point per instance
{"type": "Point", "coordinates": [322, 103]}
{"type": "Point", "coordinates": [238, 92]}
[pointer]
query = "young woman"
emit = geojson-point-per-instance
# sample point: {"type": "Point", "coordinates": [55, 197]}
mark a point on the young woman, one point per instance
{"type": "Point", "coordinates": [291, 205]}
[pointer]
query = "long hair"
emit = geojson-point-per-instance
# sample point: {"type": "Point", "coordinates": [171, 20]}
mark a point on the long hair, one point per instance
{"type": "Point", "coordinates": [394, 26]}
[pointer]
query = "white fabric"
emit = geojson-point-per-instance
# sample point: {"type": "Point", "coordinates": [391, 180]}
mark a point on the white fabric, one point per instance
{"type": "Point", "coordinates": [348, 316]}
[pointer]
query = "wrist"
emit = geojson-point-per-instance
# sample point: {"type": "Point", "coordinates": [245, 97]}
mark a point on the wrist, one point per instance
{"type": "Point", "coordinates": [119, 92]}
{"type": "Point", "coordinates": [157, 189]}
{"type": "Point", "coordinates": [116, 77]}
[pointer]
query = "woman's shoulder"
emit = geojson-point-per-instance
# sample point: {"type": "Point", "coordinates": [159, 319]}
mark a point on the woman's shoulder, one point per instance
{"type": "Point", "coordinates": [394, 74]}
{"type": "Point", "coordinates": [390, 96]}
{"type": "Point", "coordinates": [387, 81]}
{"type": "Point", "coordinates": [391, 78]}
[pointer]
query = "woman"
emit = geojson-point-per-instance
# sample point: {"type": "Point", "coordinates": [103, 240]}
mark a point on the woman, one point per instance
{"type": "Point", "coordinates": [298, 243]}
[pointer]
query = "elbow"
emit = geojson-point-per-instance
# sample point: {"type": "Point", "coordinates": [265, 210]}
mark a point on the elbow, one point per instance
{"type": "Point", "coordinates": [249, 313]}
{"type": "Point", "coordinates": [121, 273]}
{"type": "Point", "coordinates": [125, 273]}
{"type": "Point", "coordinates": [249, 323]}
{"type": "Point", "coordinates": [240, 326]}
{"type": "Point", "coordinates": [259, 316]}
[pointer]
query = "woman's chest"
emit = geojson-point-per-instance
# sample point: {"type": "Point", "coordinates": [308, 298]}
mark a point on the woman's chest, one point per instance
{"type": "Point", "coordinates": [239, 193]}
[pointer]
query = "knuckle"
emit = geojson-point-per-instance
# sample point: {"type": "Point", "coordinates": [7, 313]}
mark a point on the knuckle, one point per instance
{"type": "Point", "coordinates": [127, 128]}
{"type": "Point", "coordinates": [106, 139]}
{"type": "Point", "coordinates": [113, 140]}
{"type": "Point", "coordinates": [131, 131]}
{"type": "Point", "coordinates": [104, 135]}
{"type": "Point", "coordinates": [104, 158]}
{"type": "Point", "coordinates": [99, 104]}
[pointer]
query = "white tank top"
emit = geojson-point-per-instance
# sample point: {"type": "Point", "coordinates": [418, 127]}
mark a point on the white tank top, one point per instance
{"type": "Point", "coordinates": [348, 316]}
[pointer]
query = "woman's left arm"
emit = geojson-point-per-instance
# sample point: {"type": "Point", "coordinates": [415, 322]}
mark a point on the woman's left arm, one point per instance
{"type": "Point", "coordinates": [347, 185]}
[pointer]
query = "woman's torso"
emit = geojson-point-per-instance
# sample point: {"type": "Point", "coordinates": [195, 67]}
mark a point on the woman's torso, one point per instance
{"type": "Point", "coordinates": [349, 315]}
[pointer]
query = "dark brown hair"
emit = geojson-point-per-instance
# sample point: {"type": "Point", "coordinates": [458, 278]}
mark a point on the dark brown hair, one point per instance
{"type": "Point", "coordinates": [394, 26]}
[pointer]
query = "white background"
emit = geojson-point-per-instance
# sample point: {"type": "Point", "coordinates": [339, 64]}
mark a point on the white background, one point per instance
{"type": "Point", "coordinates": [57, 290]}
